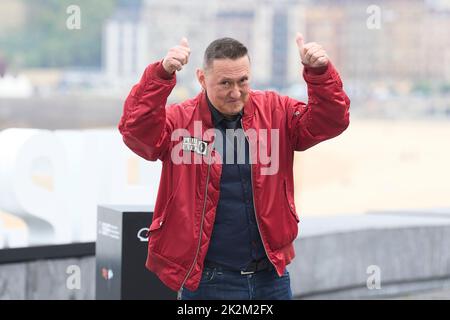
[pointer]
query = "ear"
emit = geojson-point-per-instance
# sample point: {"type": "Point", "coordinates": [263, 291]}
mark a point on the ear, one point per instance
{"type": "Point", "coordinates": [201, 78]}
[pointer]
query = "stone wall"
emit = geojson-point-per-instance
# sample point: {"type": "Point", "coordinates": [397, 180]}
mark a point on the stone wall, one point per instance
{"type": "Point", "coordinates": [47, 279]}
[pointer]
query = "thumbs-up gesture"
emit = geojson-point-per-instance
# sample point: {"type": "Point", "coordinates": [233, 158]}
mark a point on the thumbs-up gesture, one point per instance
{"type": "Point", "coordinates": [177, 57]}
{"type": "Point", "coordinates": [311, 53]}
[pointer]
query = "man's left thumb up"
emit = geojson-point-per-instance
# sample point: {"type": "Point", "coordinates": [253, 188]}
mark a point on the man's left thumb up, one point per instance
{"type": "Point", "coordinates": [300, 44]}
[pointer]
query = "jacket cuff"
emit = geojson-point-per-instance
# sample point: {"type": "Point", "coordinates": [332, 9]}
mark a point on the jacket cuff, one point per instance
{"type": "Point", "coordinates": [317, 70]}
{"type": "Point", "coordinates": [319, 78]}
{"type": "Point", "coordinates": [162, 73]}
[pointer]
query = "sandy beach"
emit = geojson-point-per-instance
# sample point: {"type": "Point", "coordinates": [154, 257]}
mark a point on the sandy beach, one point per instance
{"type": "Point", "coordinates": [376, 165]}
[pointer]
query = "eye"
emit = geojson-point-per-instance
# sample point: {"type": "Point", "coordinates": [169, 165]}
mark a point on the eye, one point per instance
{"type": "Point", "coordinates": [243, 81]}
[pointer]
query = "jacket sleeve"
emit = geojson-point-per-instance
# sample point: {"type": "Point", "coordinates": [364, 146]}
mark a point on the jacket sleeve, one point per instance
{"type": "Point", "coordinates": [325, 116]}
{"type": "Point", "coordinates": [144, 126]}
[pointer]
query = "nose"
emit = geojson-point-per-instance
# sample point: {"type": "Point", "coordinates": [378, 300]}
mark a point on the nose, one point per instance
{"type": "Point", "coordinates": [235, 93]}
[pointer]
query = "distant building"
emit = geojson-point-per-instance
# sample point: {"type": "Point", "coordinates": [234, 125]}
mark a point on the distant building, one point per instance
{"type": "Point", "coordinates": [125, 43]}
{"type": "Point", "coordinates": [141, 33]}
{"type": "Point", "coordinates": [12, 15]}
{"type": "Point", "coordinates": [412, 43]}
{"type": "Point", "coordinates": [15, 87]}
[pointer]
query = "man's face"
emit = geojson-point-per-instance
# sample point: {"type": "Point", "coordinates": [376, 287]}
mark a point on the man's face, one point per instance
{"type": "Point", "coordinates": [226, 82]}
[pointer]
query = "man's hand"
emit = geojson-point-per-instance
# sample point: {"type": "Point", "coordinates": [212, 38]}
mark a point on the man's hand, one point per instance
{"type": "Point", "coordinates": [177, 57]}
{"type": "Point", "coordinates": [312, 54]}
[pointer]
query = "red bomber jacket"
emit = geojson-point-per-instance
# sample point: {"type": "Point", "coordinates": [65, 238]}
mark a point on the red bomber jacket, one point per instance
{"type": "Point", "coordinates": [182, 137]}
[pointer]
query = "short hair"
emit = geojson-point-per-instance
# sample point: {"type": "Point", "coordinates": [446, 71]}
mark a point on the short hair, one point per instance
{"type": "Point", "coordinates": [224, 48]}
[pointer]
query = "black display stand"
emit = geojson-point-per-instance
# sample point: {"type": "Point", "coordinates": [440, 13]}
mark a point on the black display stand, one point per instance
{"type": "Point", "coordinates": [121, 251]}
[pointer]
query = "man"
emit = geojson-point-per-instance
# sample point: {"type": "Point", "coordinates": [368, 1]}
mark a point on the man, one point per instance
{"type": "Point", "coordinates": [224, 220]}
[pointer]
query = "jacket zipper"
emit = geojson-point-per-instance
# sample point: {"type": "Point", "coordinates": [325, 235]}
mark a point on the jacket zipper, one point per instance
{"type": "Point", "coordinates": [201, 226]}
{"type": "Point", "coordinates": [253, 194]}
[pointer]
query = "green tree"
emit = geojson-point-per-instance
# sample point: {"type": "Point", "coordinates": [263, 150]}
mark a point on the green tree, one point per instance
{"type": "Point", "coordinates": [45, 40]}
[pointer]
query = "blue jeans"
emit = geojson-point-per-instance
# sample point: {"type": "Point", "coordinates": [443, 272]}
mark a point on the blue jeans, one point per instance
{"type": "Point", "coordinates": [219, 284]}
